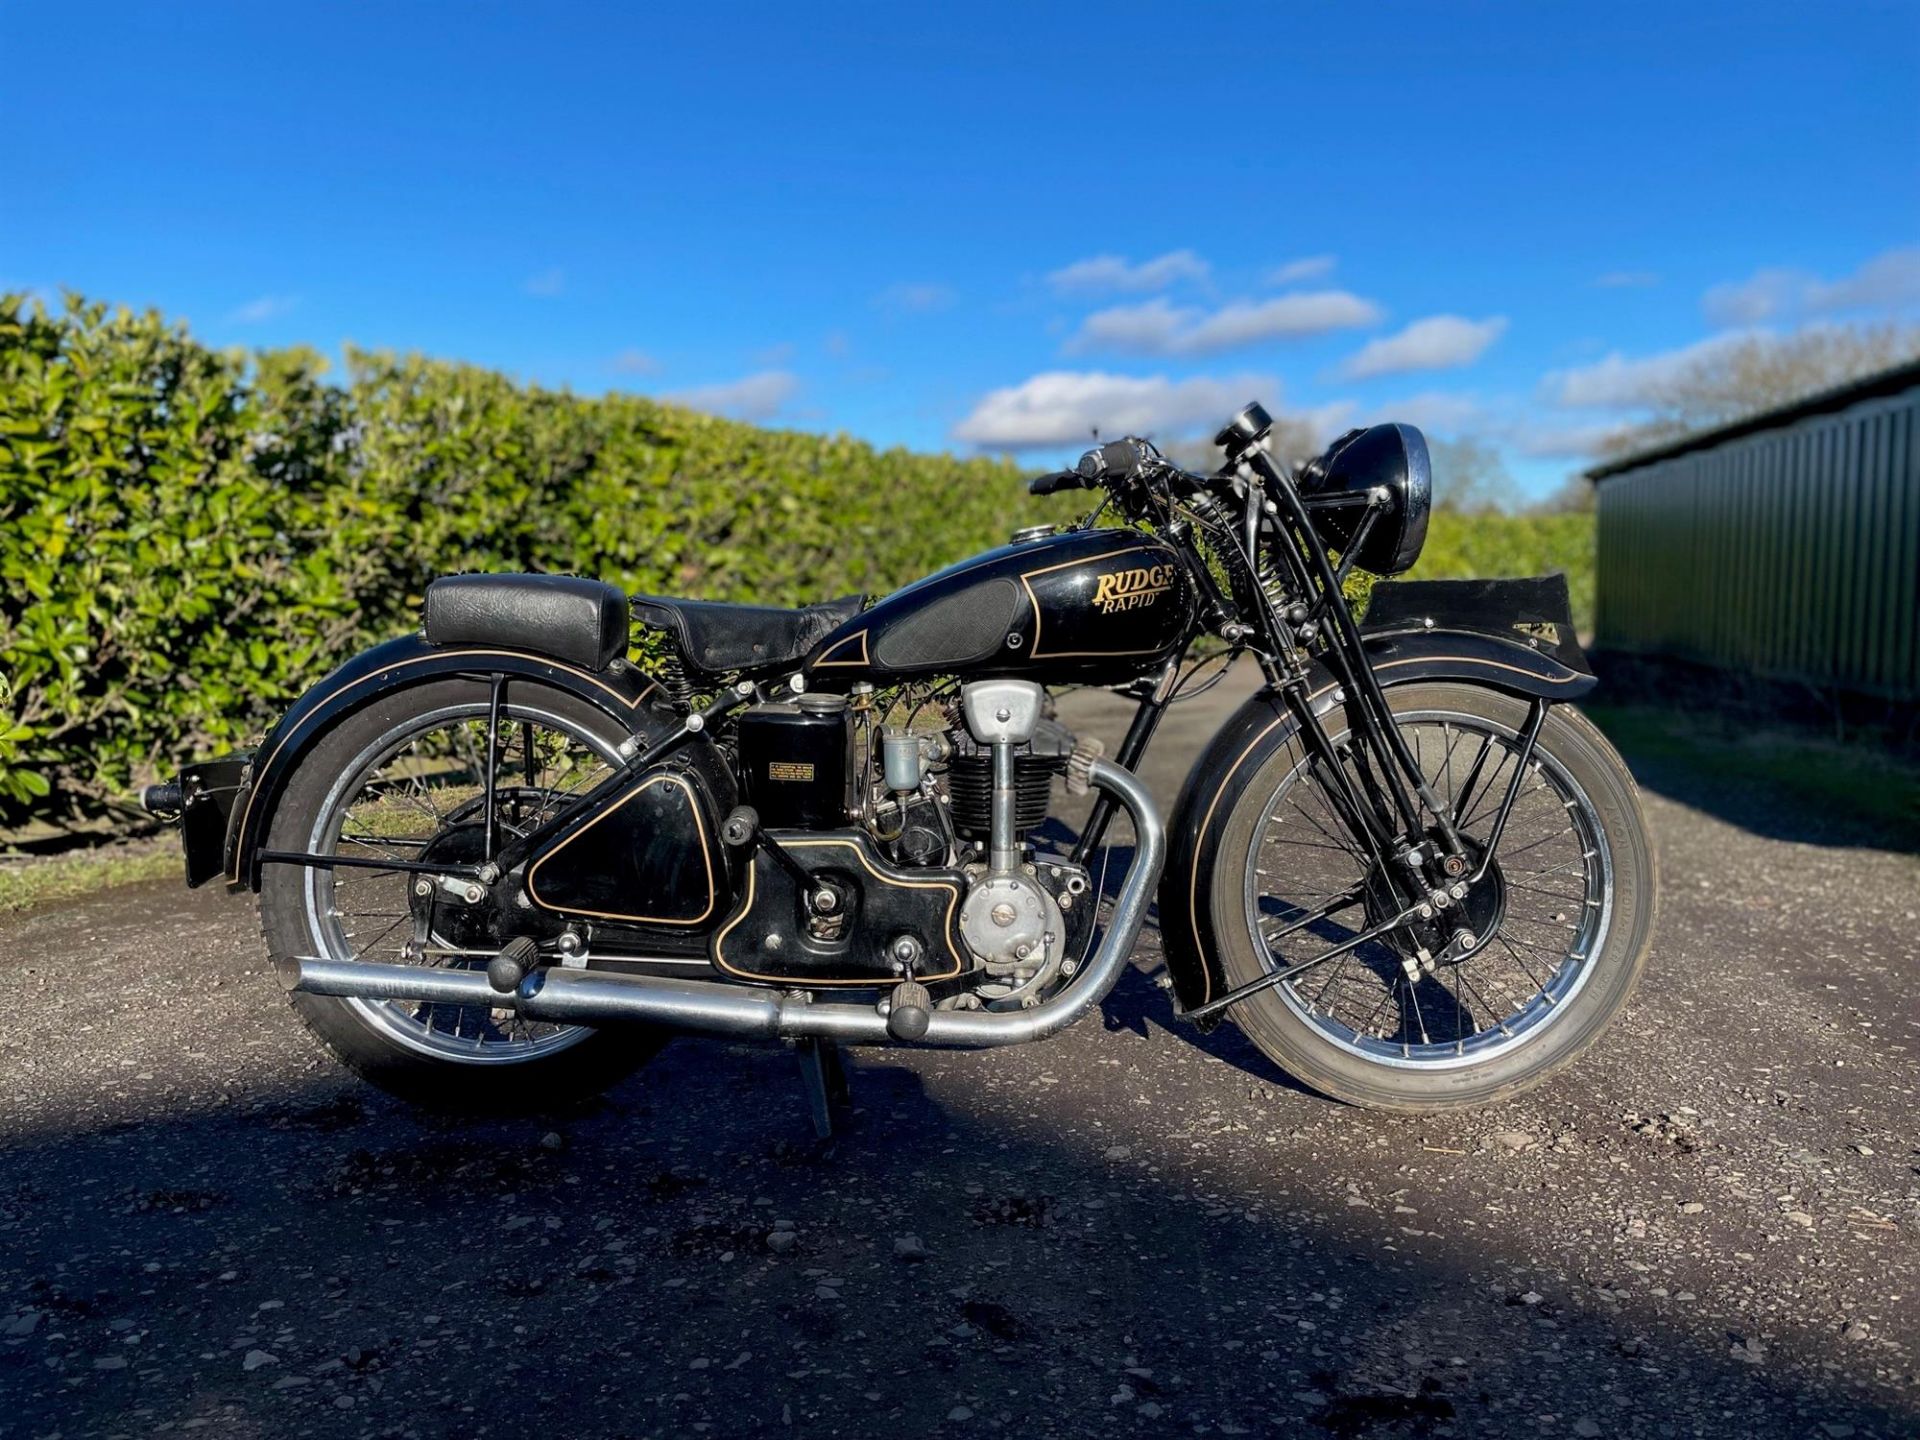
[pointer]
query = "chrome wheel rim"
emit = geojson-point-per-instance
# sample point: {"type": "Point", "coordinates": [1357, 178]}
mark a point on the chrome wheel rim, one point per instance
{"type": "Point", "coordinates": [357, 914]}
{"type": "Point", "coordinates": [1556, 872]}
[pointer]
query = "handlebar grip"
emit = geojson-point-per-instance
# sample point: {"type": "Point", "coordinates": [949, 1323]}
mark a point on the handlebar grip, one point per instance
{"type": "Point", "coordinates": [1056, 481]}
{"type": "Point", "coordinates": [1112, 461]}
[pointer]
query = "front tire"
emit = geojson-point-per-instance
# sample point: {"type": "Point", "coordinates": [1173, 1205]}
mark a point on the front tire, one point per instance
{"type": "Point", "coordinates": [1576, 928]}
{"type": "Point", "coordinates": [301, 907]}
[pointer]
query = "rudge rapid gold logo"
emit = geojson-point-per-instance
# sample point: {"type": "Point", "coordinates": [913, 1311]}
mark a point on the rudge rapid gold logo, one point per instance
{"type": "Point", "coordinates": [1133, 589]}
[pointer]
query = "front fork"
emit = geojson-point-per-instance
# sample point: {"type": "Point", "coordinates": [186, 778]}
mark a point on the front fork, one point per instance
{"type": "Point", "coordinates": [1384, 820]}
{"type": "Point", "coordinates": [1424, 879]}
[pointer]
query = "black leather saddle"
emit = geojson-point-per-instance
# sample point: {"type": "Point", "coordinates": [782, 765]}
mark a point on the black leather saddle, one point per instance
{"type": "Point", "coordinates": [714, 637]}
{"type": "Point", "coordinates": [583, 622]}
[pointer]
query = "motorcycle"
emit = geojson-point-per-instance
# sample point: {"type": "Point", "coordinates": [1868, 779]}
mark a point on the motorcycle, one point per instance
{"type": "Point", "coordinates": [498, 864]}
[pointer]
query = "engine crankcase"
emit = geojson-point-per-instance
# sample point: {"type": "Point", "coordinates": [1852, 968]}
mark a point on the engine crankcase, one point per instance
{"type": "Point", "coordinates": [844, 927]}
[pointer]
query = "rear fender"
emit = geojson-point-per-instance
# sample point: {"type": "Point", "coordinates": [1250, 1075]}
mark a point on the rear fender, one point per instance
{"type": "Point", "coordinates": [619, 691]}
{"type": "Point", "coordinates": [1265, 725]}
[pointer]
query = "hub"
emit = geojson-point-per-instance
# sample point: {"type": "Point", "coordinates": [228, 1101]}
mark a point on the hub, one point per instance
{"type": "Point", "coordinates": [1477, 913]}
{"type": "Point", "coordinates": [454, 921]}
{"type": "Point", "coordinates": [446, 914]}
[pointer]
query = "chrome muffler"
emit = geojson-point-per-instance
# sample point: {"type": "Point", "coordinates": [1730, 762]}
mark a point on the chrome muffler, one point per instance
{"type": "Point", "coordinates": [596, 997]}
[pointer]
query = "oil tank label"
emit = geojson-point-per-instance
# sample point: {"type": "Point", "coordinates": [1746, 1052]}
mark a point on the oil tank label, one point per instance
{"type": "Point", "coordinates": [1133, 589]}
{"type": "Point", "coordinates": [789, 770]}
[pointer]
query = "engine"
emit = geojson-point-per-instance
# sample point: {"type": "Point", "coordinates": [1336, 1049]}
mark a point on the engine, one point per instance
{"type": "Point", "coordinates": [913, 857]}
{"type": "Point", "coordinates": [1035, 766]}
{"type": "Point", "coordinates": [1027, 913]}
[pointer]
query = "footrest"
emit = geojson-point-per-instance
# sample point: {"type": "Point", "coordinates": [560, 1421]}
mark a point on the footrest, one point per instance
{"type": "Point", "coordinates": [507, 969]}
{"type": "Point", "coordinates": [910, 1011]}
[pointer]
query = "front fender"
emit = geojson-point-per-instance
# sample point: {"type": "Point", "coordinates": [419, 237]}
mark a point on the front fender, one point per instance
{"type": "Point", "coordinates": [1265, 724]}
{"type": "Point", "coordinates": [621, 692]}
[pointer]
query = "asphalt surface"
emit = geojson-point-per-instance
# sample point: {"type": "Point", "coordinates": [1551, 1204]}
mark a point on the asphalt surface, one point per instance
{"type": "Point", "coordinates": [1707, 1227]}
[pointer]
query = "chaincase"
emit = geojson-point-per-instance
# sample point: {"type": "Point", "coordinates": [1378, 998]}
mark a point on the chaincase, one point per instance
{"type": "Point", "coordinates": [772, 937]}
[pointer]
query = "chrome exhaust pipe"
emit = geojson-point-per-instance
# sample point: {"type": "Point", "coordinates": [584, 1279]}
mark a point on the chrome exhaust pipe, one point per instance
{"type": "Point", "coordinates": [597, 997]}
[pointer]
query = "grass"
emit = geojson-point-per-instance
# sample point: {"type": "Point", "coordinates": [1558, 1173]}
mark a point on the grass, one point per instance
{"type": "Point", "coordinates": [29, 882]}
{"type": "Point", "coordinates": [1878, 792]}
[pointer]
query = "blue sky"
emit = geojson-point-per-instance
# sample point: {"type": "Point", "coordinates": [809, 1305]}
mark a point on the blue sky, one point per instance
{"type": "Point", "coordinates": [988, 227]}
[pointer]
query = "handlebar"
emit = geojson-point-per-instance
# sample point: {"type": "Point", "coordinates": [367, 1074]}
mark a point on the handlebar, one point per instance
{"type": "Point", "coordinates": [1056, 481]}
{"type": "Point", "coordinates": [1118, 460]}
{"type": "Point", "coordinates": [1121, 461]}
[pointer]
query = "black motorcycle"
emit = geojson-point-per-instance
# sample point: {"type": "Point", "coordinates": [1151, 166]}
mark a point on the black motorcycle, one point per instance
{"type": "Point", "coordinates": [499, 864]}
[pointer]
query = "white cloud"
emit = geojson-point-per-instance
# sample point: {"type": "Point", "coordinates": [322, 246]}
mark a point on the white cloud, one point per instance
{"type": "Point", "coordinates": [753, 397]}
{"type": "Point", "coordinates": [1157, 327]}
{"type": "Point", "coordinates": [1114, 272]}
{"type": "Point", "coordinates": [1562, 441]}
{"type": "Point", "coordinates": [635, 362]}
{"type": "Point", "coordinates": [1065, 407]}
{"type": "Point", "coordinates": [265, 308]}
{"type": "Point", "coordinates": [1436, 411]}
{"type": "Point", "coordinates": [1152, 327]}
{"type": "Point", "coordinates": [1761, 296]}
{"type": "Point", "coordinates": [915, 297]}
{"type": "Point", "coordinates": [1616, 382]}
{"type": "Point", "coordinates": [1627, 280]}
{"type": "Point", "coordinates": [1440, 342]}
{"type": "Point", "coordinates": [1884, 282]}
{"type": "Point", "coordinates": [1889, 281]}
{"type": "Point", "coordinates": [1327, 421]}
{"type": "Point", "coordinates": [1308, 267]}
{"type": "Point", "coordinates": [547, 284]}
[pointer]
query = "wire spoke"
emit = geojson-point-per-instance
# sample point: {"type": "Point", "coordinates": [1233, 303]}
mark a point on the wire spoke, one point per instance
{"type": "Point", "coordinates": [1513, 884]}
{"type": "Point", "coordinates": [1549, 902]}
{"type": "Point", "coordinates": [1539, 985]}
{"type": "Point", "coordinates": [421, 796]}
{"type": "Point", "coordinates": [1338, 843]}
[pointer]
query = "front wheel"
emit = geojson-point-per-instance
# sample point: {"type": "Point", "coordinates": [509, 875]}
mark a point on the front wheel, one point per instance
{"type": "Point", "coordinates": [1556, 934]}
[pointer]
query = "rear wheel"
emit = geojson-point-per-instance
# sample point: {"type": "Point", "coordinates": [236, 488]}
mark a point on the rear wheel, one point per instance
{"type": "Point", "coordinates": [1556, 933]}
{"type": "Point", "coordinates": [404, 779]}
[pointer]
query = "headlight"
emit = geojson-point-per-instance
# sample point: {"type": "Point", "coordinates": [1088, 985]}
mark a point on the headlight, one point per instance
{"type": "Point", "coordinates": [1392, 458]}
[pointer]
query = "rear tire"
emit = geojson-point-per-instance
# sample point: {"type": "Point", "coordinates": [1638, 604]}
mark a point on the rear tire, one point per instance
{"type": "Point", "coordinates": [1363, 1071]}
{"type": "Point", "coordinates": [561, 1074]}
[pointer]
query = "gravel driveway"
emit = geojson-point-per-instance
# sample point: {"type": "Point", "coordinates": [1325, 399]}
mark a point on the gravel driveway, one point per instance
{"type": "Point", "coordinates": [1708, 1227]}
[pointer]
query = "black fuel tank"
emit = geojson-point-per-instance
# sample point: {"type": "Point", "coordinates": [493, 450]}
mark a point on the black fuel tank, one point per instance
{"type": "Point", "coordinates": [1094, 605]}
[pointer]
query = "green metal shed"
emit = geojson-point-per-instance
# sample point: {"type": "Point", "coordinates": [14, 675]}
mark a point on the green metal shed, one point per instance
{"type": "Point", "coordinates": [1784, 546]}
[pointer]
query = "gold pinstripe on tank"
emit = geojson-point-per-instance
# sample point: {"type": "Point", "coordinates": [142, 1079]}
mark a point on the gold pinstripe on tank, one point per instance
{"type": "Point", "coordinates": [823, 663]}
{"type": "Point", "coordinates": [1026, 579]}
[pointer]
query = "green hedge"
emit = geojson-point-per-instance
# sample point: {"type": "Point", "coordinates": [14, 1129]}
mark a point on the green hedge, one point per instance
{"type": "Point", "coordinates": [1485, 545]}
{"type": "Point", "coordinates": [191, 537]}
